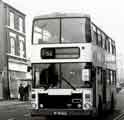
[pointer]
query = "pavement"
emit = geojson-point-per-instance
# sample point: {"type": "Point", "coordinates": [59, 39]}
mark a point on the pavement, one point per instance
{"type": "Point", "coordinates": [12, 102]}
{"type": "Point", "coordinates": [15, 110]}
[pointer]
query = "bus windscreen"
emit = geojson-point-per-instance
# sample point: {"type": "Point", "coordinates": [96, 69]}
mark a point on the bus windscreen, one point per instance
{"type": "Point", "coordinates": [61, 75]}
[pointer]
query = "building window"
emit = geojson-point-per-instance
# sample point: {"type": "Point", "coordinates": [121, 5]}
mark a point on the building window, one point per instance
{"type": "Point", "coordinates": [21, 46]}
{"type": "Point", "coordinates": [12, 41]}
{"type": "Point", "coordinates": [12, 37]}
{"type": "Point", "coordinates": [11, 21]}
{"type": "Point", "coordinates": [21, 24]}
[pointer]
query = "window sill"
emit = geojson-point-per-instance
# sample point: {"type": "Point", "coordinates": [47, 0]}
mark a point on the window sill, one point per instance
{"type": "Point", "coordinates": [23, 58]}
{"type": "Point", "coordinates": [17, 31]}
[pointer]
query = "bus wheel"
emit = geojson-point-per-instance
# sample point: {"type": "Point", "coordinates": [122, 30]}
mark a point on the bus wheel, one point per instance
{"type": "Point", "coordinates": [112, 103]}
{"type": "Point", "coordinates": [100, 107]}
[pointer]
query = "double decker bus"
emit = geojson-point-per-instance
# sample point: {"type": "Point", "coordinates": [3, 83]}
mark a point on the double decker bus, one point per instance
{"type": "Point", "coordinates": [73, 66]}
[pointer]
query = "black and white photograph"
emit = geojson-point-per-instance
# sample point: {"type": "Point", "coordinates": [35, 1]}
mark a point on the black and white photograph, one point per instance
{"type": "Point", "coordinates": [61, 60]}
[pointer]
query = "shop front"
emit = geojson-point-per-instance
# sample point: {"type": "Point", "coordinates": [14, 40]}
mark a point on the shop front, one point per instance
{"type": "Point", "coordinates": [17, 74]}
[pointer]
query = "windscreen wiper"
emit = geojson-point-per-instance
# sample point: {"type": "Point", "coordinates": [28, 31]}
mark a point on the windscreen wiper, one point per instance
{"type": "Point", "coordinates": [63, 78]}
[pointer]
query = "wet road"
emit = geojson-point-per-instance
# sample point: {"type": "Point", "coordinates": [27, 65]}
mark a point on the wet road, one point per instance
{"type": "Point", "coordinates": [118, 114]}
{"type": "Point", "coordinates": [22, 111]}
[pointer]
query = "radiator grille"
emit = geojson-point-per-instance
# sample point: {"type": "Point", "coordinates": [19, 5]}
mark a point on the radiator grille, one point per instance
{"type": "Point", "coordinates": [59, 101]}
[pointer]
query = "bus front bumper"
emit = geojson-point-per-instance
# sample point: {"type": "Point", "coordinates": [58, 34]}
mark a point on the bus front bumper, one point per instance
{"type": "Point", "coordinates": [62, 112]}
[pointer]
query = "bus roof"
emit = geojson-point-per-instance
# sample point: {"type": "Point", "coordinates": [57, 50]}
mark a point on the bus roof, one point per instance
{"type": "Point", "coordinates": [62, 15]}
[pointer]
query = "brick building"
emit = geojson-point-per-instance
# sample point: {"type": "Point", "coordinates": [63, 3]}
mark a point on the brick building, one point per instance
{"type": "Point", "coordinates": [13, 62]}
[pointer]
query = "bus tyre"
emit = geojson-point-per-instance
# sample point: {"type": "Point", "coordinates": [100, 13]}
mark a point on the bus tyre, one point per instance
{"type": "Point", "coordinates": [112, 103]}
{"type": "Point", "coordinates": [100, 107]}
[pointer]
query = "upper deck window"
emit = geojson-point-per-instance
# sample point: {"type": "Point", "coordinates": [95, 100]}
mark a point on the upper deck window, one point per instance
{"type": "Point", "coordinates": [65, 30]}
{"type": "Point", "coordinates": [94, 34]}
{"type": "Point", "coordinates": [109, 40]}
{"type": "Point", "coordinates": [46, 31]}
{"type": "Point", "coordinates": [113, 48]}
{"type": "Point", "coordinates": [99, 38]}
{"type": "Point", "coordinates": [103, 40]}
{"type": "Point", "coordinates": [74, 30]}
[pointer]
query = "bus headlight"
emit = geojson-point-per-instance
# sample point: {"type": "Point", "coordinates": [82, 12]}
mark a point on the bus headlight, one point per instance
{"type": "Point", "coordinates": [79, 105]}
{"type": "Point", "coordinates": [41, 106]}
{"type": "Point", "coordinates": [69, 105]}
{"type": "Point", "coordinates": [87, 106]}
{"type": "Point", "coordinates": [33, 105]}
{"type": "Point", "coordinates": [87, 99]}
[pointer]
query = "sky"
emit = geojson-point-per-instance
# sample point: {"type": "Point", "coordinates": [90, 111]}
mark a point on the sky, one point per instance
{"type": "Point", "coordinates": [107, 14]}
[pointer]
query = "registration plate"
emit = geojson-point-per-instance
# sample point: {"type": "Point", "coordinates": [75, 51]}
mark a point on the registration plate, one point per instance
{"type": "Point", "coordinates": [60, 113]}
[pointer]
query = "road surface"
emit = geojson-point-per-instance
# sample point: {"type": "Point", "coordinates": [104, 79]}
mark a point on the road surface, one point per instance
{"type": "Point", "coordinates": [21, 111]}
